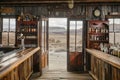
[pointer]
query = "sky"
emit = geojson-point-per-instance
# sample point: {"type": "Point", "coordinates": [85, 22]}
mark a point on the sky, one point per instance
{"type": "Point", "coordinates": [116, 21]}
{"type": "Point", "coordinates": [6, 23]}
{"type": "Point", "coordinates": [62, 22]}
{"type": "Point", "coordinates": [58, 22]}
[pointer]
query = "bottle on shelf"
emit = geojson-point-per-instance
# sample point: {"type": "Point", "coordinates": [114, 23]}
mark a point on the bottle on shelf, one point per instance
{"type": "Point", "coordinates": [101, 47]}
{"type": "Point", "coordinates": [97, 38]}
{"type": "Point", "coordinates": [99, 30]}
{"type": "Point", "coordinates": [96, 30]}
{"type": "Point", "coordinates": [114, 50]}
{"type": "Point", "coordinates": [107, 38]}
{"type": "Point", "coordinates": [90, 29]}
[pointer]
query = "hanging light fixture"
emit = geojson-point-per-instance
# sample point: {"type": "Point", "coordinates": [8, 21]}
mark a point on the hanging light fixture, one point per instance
{"type": "Point", "coordinates": [70, 4]}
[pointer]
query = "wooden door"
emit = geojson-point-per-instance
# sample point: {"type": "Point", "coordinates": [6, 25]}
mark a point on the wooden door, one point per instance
{"type": "Point", "coordinates": [74, 45]}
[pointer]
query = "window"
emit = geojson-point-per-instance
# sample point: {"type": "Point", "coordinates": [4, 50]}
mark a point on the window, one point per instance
{"type": "Point", "coordinates": [114, 30]}
{"type": "Point", "coordinates": [76, 36]}
{"type": "Point", "coordinates": [8, 32]}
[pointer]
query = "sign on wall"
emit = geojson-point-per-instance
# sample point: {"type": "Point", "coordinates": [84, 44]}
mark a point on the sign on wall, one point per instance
{"type": "Point", "coordinates": [7, 10]}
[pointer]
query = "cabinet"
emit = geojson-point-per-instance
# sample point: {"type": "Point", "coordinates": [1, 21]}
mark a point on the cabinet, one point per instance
{"type": "Point", "coordinates": [29, 29]}
{"type": "Point", "coordinates": [98, 34]}
{"type": "Point", "coordinates": [97, 38]}
{"type": "Point", "coordinates": [104, 66]}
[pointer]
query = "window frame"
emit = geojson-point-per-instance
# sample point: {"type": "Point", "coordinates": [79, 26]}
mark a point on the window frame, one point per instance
{"type": "Point", "coordinates": [113, 31]}
{"type": "Point", "coordinates": [76, 26]}
{"type": "Point", "coordinates": [9, 29]}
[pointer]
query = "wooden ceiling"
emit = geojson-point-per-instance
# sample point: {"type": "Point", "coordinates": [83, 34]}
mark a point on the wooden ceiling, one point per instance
{"type": "Point", "coordinates": [54, 1]}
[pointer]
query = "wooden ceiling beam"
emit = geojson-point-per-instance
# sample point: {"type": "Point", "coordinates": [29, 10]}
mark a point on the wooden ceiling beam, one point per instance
{"type": "Point", "coordinates": [55, 1]}
{"type": "Point", "coordinates": [29, 2]}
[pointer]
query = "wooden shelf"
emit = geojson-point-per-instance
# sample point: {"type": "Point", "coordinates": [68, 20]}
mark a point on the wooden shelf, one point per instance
{"type": "Point", "coordinates": [102, 66]}
{"type": "Point", "coordinates": [27, 22]}
{"type": "Point", "coordinates": [96, 33]}
{"type": "Point", "coordinates": [92, 33]}
{"type": "Point", "coordinates": [29, 31]}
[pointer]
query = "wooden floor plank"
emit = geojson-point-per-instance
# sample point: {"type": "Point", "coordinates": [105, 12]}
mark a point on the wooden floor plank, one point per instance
{"type": "Point", "coordinates": [63, 75]}
{"type": "Point", "coordinates": [58, 69]}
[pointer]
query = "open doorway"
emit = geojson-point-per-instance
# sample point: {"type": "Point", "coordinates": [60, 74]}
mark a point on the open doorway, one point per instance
{"type": "Point", "coordinates": [57, 44]}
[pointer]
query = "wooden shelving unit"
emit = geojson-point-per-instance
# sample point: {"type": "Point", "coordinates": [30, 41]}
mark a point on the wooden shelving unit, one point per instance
{"type": "Point", "coordinates": [100, 68]}
{"type": "Point", "coordinates": [98, 32]}
{"type": "Point", "coordinates": [29, 29]}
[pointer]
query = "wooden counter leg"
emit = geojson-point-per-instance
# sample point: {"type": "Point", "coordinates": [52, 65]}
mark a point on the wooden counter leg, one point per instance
{"type": "Point", "coordinates": [12, 75]}
{"type": "Point", "coordinates": [16, 74]}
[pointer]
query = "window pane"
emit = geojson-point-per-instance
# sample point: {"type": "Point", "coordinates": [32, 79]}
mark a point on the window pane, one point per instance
{"type": "Point", "coordinates": [4, 38]}
{"type": "Point", "coordinates": [12, 31]}
{"type": "Point", "coordinates": [110, 25]}
{"type": "Point", "coordinates": [111, 38]}
{"type": "Point", "coordinates": [79, 36]}
{"type": "Point", "coordinates": [12, 24]}
{"type": "Point", "coordinates": [117, 25]}
{"type": "Point", "coordinates": [117, 37]}
{"type": "Point", "coordinates": [5, 31]}
{"type": "Point", "coordinates": [5, 24]}
{"type": "Point", "coordinates": [11, 38]}
{"type": "Point", "coordinates": [8, 34]}
{"type": "Point", "coordinates": [72, 36]}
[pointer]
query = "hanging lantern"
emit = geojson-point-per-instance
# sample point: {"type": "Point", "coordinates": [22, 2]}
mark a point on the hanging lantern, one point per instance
{"type": "Point", "coordinates": [70, 4]}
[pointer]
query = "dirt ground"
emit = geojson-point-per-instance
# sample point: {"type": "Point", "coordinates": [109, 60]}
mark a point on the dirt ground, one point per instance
{"type": "Point", "coordinates": [58, 60]}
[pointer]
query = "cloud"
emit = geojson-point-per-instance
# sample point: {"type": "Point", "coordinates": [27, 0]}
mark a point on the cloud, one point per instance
{"type": "Point", "coordinates": [58, 22]}
{"type": "Point", "coordinates": [62, 22]}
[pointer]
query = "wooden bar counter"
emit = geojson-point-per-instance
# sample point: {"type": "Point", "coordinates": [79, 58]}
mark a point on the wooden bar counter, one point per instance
{"type": "Point", "coordinates": [104, 66]}
{"type": "Point", "coordinates": [18, 67]}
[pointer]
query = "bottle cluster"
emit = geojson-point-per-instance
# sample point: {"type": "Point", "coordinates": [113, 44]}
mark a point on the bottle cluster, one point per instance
{"type": "Point", "coordinates": [99, 37]}
{"type": "Point", "coordinates": [114, 50]}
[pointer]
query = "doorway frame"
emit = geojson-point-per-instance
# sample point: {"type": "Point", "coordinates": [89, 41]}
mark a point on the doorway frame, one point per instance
{"type": "Point", "coordinates": [84, 40]}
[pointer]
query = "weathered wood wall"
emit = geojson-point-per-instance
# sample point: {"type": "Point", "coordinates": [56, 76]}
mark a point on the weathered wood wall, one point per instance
{"type": "Point", "coordinates": [81, 10]}
{"type": "Point", "coordinates": [62, 10]}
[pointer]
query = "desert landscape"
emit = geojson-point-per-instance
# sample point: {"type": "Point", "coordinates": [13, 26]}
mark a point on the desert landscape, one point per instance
{"type": "Point", "coordinates": [58, 47]}
{"type": "Point", "coordinates": [58, 40]}
{"type": "Point", "coordinates": [5, 39]}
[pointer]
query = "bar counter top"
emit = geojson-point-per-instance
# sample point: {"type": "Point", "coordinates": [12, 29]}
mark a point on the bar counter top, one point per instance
{"type": "Point", "coordinates": [110, 59]}
{"type": "Point", "coordinates": [10, 62]}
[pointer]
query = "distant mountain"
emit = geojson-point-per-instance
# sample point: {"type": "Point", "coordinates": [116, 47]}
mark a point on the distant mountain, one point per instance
{"type": "Point", "coordinates": [57, 30]}
{"type": "Point", "coordinates": [62, 30]}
